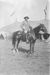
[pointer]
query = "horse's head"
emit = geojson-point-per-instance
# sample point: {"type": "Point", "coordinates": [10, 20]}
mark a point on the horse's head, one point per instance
{"type": "Point", "coordinates": [43, 28]}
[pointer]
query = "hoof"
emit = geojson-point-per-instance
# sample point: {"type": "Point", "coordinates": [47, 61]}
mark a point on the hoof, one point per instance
{"type": "Point", "coordinates": [29, 53]}
{"type": "Point", "coordinates": [17, 51]}
{"type": "Point", "coordinates": [14, 51]}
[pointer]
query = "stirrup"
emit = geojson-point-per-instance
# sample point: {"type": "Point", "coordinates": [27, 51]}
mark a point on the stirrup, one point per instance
{"type": "Point", "coordinates": [25, 31]}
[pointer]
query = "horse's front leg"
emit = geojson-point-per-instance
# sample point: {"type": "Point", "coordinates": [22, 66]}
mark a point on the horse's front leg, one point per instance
{"type": "Point", "coordinates": [30, 51]}
{"type": "Point", "coordinates": [32, 44]}
{"type": "Point", "coordinates": [31, 48]}
{"type": "Point", "coordinates": [13, 47]}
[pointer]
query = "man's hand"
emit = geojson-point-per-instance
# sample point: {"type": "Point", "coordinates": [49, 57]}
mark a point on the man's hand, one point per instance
{"type": "Point", "coordinates": [25, 31]}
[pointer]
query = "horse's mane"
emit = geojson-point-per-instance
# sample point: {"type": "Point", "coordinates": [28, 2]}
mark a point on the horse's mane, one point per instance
{"type": "Point", "coordinates": [36, 29]}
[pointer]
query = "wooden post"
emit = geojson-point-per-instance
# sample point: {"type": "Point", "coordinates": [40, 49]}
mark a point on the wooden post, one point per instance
{"type": "Point", "coordinates": [45, 11]}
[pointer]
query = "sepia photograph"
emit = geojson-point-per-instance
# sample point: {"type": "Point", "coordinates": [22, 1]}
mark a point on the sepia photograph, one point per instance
{"type": "Point", "coordinates": [24, 37]}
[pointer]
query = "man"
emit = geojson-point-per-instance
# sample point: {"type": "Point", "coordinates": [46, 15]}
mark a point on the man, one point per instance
{"type": "Point", "coordinates": [25, 26]}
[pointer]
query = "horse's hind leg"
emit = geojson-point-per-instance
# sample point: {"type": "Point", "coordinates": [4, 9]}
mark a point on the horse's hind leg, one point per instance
{"type": "Point", "coordinates": [16, 45]}
{"type": "Point", "coordinates": [13, 47]}
{"type": "Point", "coordinates": [16, 48]}
{"type": "Point", "coordinates": [13, 43]}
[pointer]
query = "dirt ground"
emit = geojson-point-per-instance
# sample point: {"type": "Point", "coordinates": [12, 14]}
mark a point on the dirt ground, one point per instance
{"type": "Point", "coordinates": [19, 64]}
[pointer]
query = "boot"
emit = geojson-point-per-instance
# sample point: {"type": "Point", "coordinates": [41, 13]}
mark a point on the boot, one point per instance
{"type": "Point", "coordinates": [27, 41]}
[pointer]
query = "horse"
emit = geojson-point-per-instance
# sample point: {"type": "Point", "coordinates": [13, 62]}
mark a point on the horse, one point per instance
{"type": "Point", "coordinates": [17, 37]}
{"type": "Point", "coordinates": [32, 36]}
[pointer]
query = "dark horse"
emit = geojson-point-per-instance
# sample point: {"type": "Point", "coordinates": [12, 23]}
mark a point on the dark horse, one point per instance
{"type": "Point", "coordinates": [32, 36]}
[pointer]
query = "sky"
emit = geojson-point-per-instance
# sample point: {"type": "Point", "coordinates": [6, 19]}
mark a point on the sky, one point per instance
{"type": "Point", "coordinates": [11, 10]}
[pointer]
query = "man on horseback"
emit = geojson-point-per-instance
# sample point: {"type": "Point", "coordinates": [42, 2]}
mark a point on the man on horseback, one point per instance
{"type": "Point", "coordinates": [25, 26]}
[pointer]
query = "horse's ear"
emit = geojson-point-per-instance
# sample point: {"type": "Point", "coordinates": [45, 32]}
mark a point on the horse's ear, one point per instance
{"type": "Point", "coordinates": [42, 24]}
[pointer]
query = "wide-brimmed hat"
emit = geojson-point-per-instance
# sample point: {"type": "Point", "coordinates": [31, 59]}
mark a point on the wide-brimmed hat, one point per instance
{"type": "Point", "coordinates": [26, 17]}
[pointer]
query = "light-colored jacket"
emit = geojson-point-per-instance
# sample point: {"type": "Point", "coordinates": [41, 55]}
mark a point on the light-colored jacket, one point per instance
{"type": "Point", "coordinates": [25, 25]}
